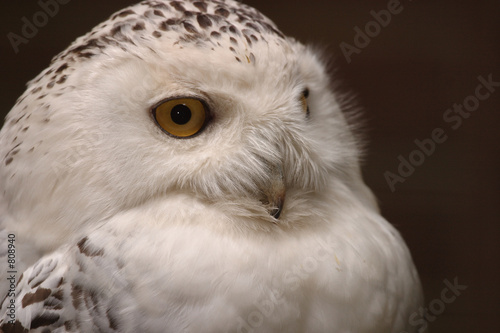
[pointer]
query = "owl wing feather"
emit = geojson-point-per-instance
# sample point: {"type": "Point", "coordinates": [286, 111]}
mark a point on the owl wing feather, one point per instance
{"type": "Point", "coordinates": [57, 293]}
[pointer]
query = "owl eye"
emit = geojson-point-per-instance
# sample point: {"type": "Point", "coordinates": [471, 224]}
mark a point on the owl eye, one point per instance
{"type": "Point", "coordinates": [181, 117]}
{"type": "Point", "coordinates": [303, 100]}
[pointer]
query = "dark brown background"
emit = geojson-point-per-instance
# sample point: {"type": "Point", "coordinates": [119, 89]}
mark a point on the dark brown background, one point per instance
{"type": "Point", "coordinates": [424, 61]}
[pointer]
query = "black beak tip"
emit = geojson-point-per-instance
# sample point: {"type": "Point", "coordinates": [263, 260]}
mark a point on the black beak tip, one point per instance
{"type": "Point", "coordinates": [276, 212]}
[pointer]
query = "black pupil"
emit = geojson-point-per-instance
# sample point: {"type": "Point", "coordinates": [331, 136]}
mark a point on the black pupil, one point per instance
{"type": "Point", "coordinates": [181, 114]}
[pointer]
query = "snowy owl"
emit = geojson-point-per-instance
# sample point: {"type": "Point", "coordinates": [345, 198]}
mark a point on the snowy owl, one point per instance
{"type": "Point", "coordinates": [185, 167]}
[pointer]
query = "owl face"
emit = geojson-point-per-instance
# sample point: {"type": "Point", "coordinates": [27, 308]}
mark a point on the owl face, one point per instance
{"type": "Point", "coordinates": [205, 99]}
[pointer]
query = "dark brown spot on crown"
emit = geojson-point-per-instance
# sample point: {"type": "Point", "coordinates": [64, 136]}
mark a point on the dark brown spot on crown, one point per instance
{"type": "Point", "coordinates": [271, 29]}
{"type": "Point", "coordinates": [40, 295]}
{"type": "Point", "coordinates": [234, 30]}
{"type": "Point", "coordinates": [241, 18]}
{"type": "Point", "coordinates": [10, 151]}
{"type": "Point", "coordinates": [123, 13]}
{"type": "Point", "coordinates": [50, 84]}
{"type": "Point", "coordinates": [62, 79]}
{"type": "Point", "coordinates": [233, 41]}
{"type": "Point", "coordinates": [18, 119]}
{"type": "Point", "coordinates": [178, 6]}
{"type": "Point", "coordinates": [172, 21]}
{"type": "Point", "coordinates": [204, 21]}
{"type": "Point", "coordinates": [91, 44]}
{"type": "Point", "coordinates": [215, 18]}
{"type": "Point", "coordinates": [157, 34]}
{"type": "Point", "coordinates": [189, 27]}
{"type": "Point", "coordinates": [20, 100]}
{"type": "Point", "coordinates": [163, 26]}
{"type": "Point", "coordinates": [222, 12]}
{"type": "Point", "coordinates": [201, 6]}
{"type": "Point", "coordinates": [61, 68]}
{"type": "Point", "coordinates": [253, 27]}
{"type": "Point", "coordinates": [215, 34]}
{"type": "Point", "coordinates": [158, 13]}
{"type": "Point", "coordinates": [8, 161]}
{"type": "Point", "coordinates": [87, 55]}
{"type": "Point", "coordinates": [159, 6]}
{"type": "Point", "coordinates": [116, 30]}
{"type": "Point", "coordinates": [138, 26]}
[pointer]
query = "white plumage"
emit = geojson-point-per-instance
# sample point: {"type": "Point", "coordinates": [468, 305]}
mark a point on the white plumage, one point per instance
{"type": "Point", "coordinates": [185, 167]}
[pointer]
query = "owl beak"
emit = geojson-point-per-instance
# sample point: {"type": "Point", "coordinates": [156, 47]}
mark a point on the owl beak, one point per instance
{"type": "Point", "coordinates": [275, 193]}
{"type": "Point", "coordinates": [277, 206]}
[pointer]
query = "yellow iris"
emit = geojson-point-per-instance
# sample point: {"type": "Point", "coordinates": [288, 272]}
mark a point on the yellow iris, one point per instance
{"type": "Point", "coordinates": [181, 117]}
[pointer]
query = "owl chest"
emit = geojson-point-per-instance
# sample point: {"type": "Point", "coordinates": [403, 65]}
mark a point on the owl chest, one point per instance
{"type": "Point", "coordinates": [294, 285]}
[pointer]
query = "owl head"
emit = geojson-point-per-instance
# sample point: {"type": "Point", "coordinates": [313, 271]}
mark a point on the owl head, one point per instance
{"type": "Point", "coordinates": [204, 98]}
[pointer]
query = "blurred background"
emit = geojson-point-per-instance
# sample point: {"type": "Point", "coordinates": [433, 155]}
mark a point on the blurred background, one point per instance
{"type": "Point", "coordinates": [405, 75]}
